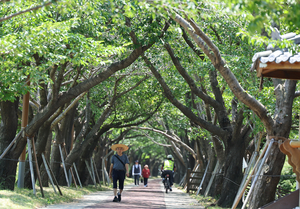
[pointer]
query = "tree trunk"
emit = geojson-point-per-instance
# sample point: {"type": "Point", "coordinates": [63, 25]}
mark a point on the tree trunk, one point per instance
{"type": "Point", "coordinates": [69, 118]}
{"type": "Point", "coordinates": [44, 175]}
{"type": "Point", "coordinates": [8, 128]}
{"type": "Point", "coordinates": [232, 174]}
{"type": "Point", "coordinates": [153, 166]}
{"type": "Point", "coordinates": [285, 94]}
{"type": "Point", "coordinates": [40, 145]}
{"type": "Point", "coordinates": [56, 158]}
{"type": "Point", "coordinates": [267, 184]}
{"type": "Point", "coordinates": [83, 172]}
{"type": "Point", "coordinates": [200, 158]}
{"type": "Point", "coordinates": [63, 132]}
{"type": "Point", "coordinates": [211, 157]}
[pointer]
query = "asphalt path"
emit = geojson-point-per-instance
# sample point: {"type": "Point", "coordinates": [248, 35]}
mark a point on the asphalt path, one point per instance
{"type": "Point", "coordinates": [133, 196]}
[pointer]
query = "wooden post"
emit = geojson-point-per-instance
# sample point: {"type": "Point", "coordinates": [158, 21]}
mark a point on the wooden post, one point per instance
{"type": "Point", "coordinates": [22, 158]}
{"type": "Point", "coordinates": [191, 173]}
{"type": "Point", "coordinates": [73, 177]}
{"type": "Point", "coordinates": [63, 162]}
{"type": "Point", "coordinates": [55, 181]}
{"type": "Point", "coordinates": [202, 180]}
{"type": "Point", "coordinates": [74, 165]}
{"type": "Point", "coordinates": [31, 166]}
{"type": "Point", "coordinates": [190, 176]}
{"type": "Point", "coordinates": [37, 167]}
{"type": "Point", "coordinates": [48, 172]}
{"type": "Point", "coordinates": [188, 173]}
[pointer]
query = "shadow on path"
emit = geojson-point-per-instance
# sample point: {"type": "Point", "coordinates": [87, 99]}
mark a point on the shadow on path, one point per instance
{"type": "Point", "coordinates": [138, 197]}
{"type": "Point", "coordinates": [152, 196]}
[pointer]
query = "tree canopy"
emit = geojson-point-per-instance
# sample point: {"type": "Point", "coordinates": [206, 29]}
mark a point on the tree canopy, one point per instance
{"type": "Point", "coordinates": [160, 76]}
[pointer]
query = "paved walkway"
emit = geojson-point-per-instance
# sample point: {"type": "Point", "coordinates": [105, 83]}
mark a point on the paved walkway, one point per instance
{"type": "Point", "coordinates": [152, 196]}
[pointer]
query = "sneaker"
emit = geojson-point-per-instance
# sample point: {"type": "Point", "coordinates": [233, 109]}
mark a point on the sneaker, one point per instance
{"type": "Point", "coordinates": [171, 189]}
{"type": "Point", "coordinates": [144, 185]}
{"type": "Point", "coordinates": [116, 199]}
{"type": "Point", "coordinates": [119, 197]}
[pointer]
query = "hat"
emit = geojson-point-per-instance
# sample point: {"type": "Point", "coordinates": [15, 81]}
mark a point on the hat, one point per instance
{"type": "Point", "coordinates": [114, 147]}
{"type": "Point", "coordinates": [136, 161]}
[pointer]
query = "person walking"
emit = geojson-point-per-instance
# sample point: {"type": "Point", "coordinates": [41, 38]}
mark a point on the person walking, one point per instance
{"type": "Point", "coordinates": [146, 174]}
{"type": "Point", "coordinates": [136, 172]}
{"type": "Point", "coordinates": [168, 168]}
{"type": "Point", "coordinates": [118, 169]}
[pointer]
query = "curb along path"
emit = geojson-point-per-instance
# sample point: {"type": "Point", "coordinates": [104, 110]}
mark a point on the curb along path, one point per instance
{"type": "Point", "coordinates": [152, 196]}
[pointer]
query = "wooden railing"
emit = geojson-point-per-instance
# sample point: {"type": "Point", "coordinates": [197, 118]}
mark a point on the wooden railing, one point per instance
{"type": "Point", "coordinates": [193, 180]}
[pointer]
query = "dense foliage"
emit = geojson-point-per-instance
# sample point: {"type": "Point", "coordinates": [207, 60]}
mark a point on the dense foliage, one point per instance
{"type": "Point", "coordinates": [145, 71]}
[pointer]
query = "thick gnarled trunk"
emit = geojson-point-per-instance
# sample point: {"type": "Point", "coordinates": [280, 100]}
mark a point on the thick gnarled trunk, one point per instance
{"type": "Point", "coordinates": [232, 174]}
{"type": "Point", "coordinates": [8, 128]}
{"type": "Point", "coordinates": [267, 184]}
{"type": "Point", "coordinates": [41, 141]}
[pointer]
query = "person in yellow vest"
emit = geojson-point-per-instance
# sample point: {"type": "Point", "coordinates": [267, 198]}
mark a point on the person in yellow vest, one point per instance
{"type": "Point", "coordinates": [168, 168]}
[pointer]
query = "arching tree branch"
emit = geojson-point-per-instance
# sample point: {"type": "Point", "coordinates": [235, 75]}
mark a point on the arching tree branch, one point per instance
{"type": "Point", "coordinates": [26, 10]}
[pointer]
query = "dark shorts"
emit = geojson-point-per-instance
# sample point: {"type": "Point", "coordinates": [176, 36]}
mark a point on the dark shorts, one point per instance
{"type": "Point", "coordinates": [118, 175]}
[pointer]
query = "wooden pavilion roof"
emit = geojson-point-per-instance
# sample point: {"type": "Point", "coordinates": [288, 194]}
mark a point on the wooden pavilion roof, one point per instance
{"type": "Point", "coordinates": [278, 63]}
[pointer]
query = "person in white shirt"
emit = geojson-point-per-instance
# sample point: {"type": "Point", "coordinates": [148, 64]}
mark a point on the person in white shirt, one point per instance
{"type": "Point", "coordinates": [136, 172]}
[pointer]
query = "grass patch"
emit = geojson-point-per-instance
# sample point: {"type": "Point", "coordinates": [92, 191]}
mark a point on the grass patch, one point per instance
{"type": "Point", "coordinates": [25, 199]}
{"type": "Point", "coordinates": [208, 202]}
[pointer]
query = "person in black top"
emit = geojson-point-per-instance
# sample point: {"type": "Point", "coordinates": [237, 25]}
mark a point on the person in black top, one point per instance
{"type": "Point", "coordinates": [136, 172]}
{"type": "Point", "coordinates": [118, 169]}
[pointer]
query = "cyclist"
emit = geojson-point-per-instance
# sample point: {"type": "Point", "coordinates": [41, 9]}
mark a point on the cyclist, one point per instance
{"type": "Point", "coordinates": [168, 168]}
